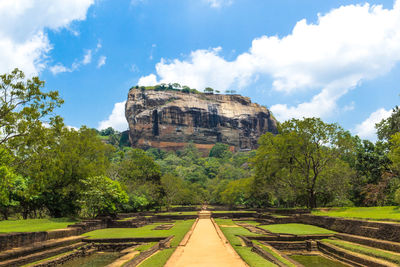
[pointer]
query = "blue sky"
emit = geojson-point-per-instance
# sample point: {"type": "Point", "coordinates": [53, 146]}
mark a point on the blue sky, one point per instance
{"type": "Point", "coordinates": [338, 60]}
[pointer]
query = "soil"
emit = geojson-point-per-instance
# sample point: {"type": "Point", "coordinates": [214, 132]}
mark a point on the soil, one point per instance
{"type": "Point", "coordinates": [205, 248]}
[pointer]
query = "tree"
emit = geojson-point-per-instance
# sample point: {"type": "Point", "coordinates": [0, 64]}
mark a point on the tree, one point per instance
{"type": "Point", "coordinates": [186, 89]}
{"type": "Point", "coordinates": [304, 153]}
{"type": "Point", "coordinates": [220, 150]}
{"type": "Point", "coordinates": [23, 105]}
{"type": "Point", "coordinates": [237, 192]}
{"type": "Point", "coordinates": [58, 162]}
{"type": "Point", "coordinates": [208, 90]}
{"type": "Point", "coordinates": [394, 153]}
{"type": "Point", "coordinates": [101, 196]}
{"type": "Point", "coordinates": [7, 182]}
{"type": "Point", "coordinates": [107, 132]}
{"type": "Point", "coordinates": [388, 127]}
{"type": "Point", "coordinates": [173, 187]}
{"type": "Point", "coordinates": [176, 85]}
{"type": "Point", "coordinates": [140, 177]}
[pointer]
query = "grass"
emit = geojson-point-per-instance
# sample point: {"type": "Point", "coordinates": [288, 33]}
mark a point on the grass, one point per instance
{"type": "Point", "coordinates": [178, 230]}
{"type": "Point", "coordinates": [276, 255]}
{"type": "Point", "coordinates": [126, 219]}
{"type": "Point", "coordinates": [231, 222]}
{"type": "Point", "coordinates": [178, 213]}
{"type": "Point", "coordinates": [47, 259]}
{"type": "Point", "coordinates": [34, 225]}
{"type": "Point", "coordinates": [316, 261]}
{"type": "Point", "coordinates": [372, 213]}
{"type": "Point", "coordinates": [233, 211]}
{"type": "Point", "coordinates": [373, 252]}
{"type": "Point", "coordinates": [296, 229]}
{"type": "Point", "coordinates": [251, 258]}
{"type": "Point", "coordinates": [279, 216]}
{"type": "Point", "coordinates": [158, 259]}
{"type": "Point", "coordinates": [145, 246]}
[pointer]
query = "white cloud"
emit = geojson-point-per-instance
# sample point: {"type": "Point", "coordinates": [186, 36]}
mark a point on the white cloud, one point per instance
{"type": "Point", "coordinates": [101, 61]}
{"type": "Point", "coordinates": [366, 129]}
{"type": "Point", "coordinates": [346, 46]}
{"type": "Point", "coordinates": [59, 68]}
{"type": "Point", "coordinates": [87, 58]}
{"type": "Point", "coordinates": [23, 43]}
{"type": "Point", "coordinates": [148, 80]}
{"type": "Point", "coordinates": [117, 118]}
{"type": "Point", "coordinates": [218, 3]}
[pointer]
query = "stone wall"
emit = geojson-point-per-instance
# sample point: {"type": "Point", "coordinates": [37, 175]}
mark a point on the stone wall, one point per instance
{"type": "Point", "coordinates": [379, 230]}
{"type": "Point", "coordinates": [13, 240]}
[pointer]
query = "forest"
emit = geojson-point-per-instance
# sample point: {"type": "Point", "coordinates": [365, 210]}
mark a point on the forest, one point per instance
{"type": "Point", "coordinates": [50, 169]}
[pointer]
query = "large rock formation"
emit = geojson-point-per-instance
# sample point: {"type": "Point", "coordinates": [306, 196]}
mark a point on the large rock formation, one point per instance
{"type": "Point", "coordinates": [170, 119]}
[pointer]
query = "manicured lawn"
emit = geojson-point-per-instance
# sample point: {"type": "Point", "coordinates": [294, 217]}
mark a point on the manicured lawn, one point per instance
{"type": "Point", "coordinates": [230, 222]}
{"type": "Point", "coordinates": [374, 213]}
{"type": "Point", "coordinates": [178, 213]}
{"type": "Point", "coordinates": [296, 229]}
{"type": "Point", "coordinates": [373, 252]}
{"type": "Point", "coordinates": [178, 230]}
{"type": "Point", "coordinates": [126, 219]}
{"type": "Point", "coordinates": [159, 259]}
{"type": "Point", "coordinates": [34, 225]}
{"type": "Point", "coordinates": [251, 258]}
{"type": "Point", "coordinates": [233, 211]}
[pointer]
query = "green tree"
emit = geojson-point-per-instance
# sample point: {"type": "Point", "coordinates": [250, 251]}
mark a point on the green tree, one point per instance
{"type": "Point", "coordinates": [174, 189]}
{"type": "Point", "coordinates": [59, 161]}
{"type": "Point", "coordinates": [304, 153]}
{"type": "Point", "coordinates": [107, 132]}
{"type": "Point", "coordinates": [101, 196]}
{"type": "Point", "coordinates": [237, 192]}
{"type": "Point", "coordinates": [394, 153]}
{"type": "Point", "coordinates": [7, 182]}
{"type": "Point", "coordinates": [220, 150]}
{"type": "Point", "coordinates": [186, 89]}
{"type": "Point", "coordinates": [140, 177]}
{"type": "Point", "coordinates": [209, 90]}
{"type": "Point", "coordinates": [388, 127]}
{"type": "Point", "coordinates": [176, 85]}
{"type": "Point", "coordinates": [23, 105]}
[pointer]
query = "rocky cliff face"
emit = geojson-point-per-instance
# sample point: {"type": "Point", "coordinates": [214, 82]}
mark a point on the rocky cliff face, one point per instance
{"type": "Point", "coordinates": [171, 119]}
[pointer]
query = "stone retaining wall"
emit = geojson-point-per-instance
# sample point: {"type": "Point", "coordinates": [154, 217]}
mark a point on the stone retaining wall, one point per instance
{"type": "Point", "coordinates": [384, 231]}
{"type": "Point", "coordinates": [382, 244]}
{"type": "Point", "coordinates": [13, 240]}
{"type": "Point", "coordinates": [62, 259]}
{"type": "Point", "coordinates": [349, 257]}
{"type": "Point", "coordinates": [288, 245]}
{"type": "Point", "coordinates": [235, 215]}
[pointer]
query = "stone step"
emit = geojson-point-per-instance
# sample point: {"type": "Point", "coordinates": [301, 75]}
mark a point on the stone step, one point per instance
{"type": "Point", "coordinates": [37, 247]}
{"type": "Point", "coordinates": [40, 255]}
{"type": "Point", "coordinates": [371, 242]}
{"type": "Point", "coordinates": [359, 258]}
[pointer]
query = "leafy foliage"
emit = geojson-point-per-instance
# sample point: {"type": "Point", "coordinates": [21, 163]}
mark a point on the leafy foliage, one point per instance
{"type": "Point", "coordinates": [303, 160]}
{"type": "Point", "coordinates": [101, 195]}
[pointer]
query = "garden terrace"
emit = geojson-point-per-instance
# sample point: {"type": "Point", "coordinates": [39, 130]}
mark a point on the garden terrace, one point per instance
{"type": "Point", "coordinates": [258, 238]}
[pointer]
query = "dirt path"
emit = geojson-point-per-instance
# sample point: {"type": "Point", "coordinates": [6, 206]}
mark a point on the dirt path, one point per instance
{"type": "Point", "coordinates": [205, 248]}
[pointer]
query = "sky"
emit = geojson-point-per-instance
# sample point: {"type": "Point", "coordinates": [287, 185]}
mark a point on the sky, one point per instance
{"type": "Point", "coordinates": [337, 59]}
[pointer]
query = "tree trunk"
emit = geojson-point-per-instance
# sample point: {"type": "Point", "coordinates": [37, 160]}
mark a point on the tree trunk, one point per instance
{"type": "Point", "coordinates": [312, 200]}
